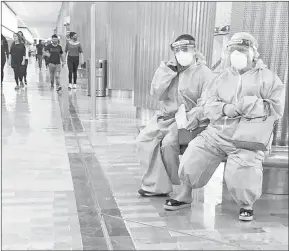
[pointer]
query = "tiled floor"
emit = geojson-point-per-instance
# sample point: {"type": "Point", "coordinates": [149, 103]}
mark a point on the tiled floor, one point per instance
{"type": "Point", "coordinates": [71, 183]}
{"type": "Point", "coordinates": [38, 200]}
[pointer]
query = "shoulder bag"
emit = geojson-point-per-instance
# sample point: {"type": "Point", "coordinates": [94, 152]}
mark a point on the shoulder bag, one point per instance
{"type": "Point", "coordinates": [254, 133]}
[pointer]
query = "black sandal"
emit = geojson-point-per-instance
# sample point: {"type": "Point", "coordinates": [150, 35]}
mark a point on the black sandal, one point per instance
{"type": "Point", "coordinates": [173, 205]}
{"type": "Point", "coordinates": [150, 194]}
{"type": "Point", "coordinates": [246, 214]}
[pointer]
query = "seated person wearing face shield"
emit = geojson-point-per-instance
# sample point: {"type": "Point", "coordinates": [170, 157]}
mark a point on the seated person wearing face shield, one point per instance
{"type": "Point", "coordinates": [178, 81]}
{"type": "Point", "coordinates": [245, 89]}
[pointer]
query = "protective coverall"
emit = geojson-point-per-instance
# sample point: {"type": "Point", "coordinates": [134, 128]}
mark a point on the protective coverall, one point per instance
{"type": "Point", "coordinates": [158, 141]}
{"type": "Point", "coordinates": [243, 172]}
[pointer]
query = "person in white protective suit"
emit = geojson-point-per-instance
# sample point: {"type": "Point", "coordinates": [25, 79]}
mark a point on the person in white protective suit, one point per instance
{"type": "Point", "coordinates": [181, 80]}
{"type": "Point", "coordinates": [243, 89]}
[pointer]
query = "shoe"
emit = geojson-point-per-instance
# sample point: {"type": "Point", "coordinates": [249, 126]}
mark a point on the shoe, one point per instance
{"type": "Point", "coordinates": [25, 81]}
{"type": "Point", "coordinates": [246, 214]}
{"type": "Point", "coordinates": [74, 86]}
{"type": "Point", "coordinates": [149, 194]}
{"type": "Point", "coordinates": [59, 88]}
{"type": "Point", "coordinates": [173, 205]}
{"type": "Point", "coordinates": [17, 87]}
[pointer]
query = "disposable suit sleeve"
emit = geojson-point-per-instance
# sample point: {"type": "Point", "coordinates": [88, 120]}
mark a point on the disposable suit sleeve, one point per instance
{"type": "Point", "coordinates": [273, 93]}
{"type": "Point", "coordinates": [213, 107]}
{"type": "Point", "coordinates": [196, 113]}
{"type": "Point", "coordinates": [161, 80]}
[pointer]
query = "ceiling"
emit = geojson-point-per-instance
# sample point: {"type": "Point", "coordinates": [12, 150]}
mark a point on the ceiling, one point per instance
{"type": "Point", "coordinates": [39, 17]}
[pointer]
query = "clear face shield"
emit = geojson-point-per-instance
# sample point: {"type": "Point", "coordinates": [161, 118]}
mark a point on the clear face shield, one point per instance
{"type": "Point", "coordinates": [184, 51]}
{"type": "Point", "coordinates": [238, 54]}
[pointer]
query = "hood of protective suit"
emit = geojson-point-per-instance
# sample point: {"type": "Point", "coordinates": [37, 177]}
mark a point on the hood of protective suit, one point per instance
{"type": "Point", "coordinates": [200, 59]}
{"type": "Point", "coordinates": [173, 89]}
{"type": "Point", "coordinates": [247, 92]}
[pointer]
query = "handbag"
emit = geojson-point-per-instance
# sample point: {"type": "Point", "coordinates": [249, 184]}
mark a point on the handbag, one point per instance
{"type": "Point", "coordinates": [185, 136]}
{"type": "Point", "coordinates": [254, 133]}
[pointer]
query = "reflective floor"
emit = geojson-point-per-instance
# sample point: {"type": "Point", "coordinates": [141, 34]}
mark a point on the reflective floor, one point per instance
{"type": "Point", "coordinates": [70, 182]}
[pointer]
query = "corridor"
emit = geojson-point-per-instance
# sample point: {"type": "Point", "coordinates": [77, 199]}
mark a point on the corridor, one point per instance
{"type": "Point", "coordinates": [70, 182]}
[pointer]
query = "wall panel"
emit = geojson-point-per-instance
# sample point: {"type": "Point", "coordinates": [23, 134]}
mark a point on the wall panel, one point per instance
{"type": "Point", "coordinates": [268, 22]}
{"type": "Point", "coordinates": [79, 13]}
{"type": "Point", "coordinates": [160, 23]}
{"type": "Point", "coordinates": [135, 36]}
{"type": "Point", "coordinates": [121, 29]}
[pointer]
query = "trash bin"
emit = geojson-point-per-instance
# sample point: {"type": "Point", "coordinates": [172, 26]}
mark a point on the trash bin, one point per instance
{"type": "Point", "coordinates": [101, 77]}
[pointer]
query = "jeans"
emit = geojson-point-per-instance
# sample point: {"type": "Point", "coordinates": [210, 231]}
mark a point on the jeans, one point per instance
{"type": "Point", "coordinates": [54, 70]}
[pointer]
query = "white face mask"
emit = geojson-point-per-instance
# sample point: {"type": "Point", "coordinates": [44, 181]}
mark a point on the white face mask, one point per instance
{"type": "Point", "coordinates": [239, 60]}
{"type": "Point", "coordinates": [184, 58]}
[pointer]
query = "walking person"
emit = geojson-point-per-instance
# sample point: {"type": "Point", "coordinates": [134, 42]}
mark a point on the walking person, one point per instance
{"type": "Point", "coordinates": [45, 56]}
{"type": "Point", "coordinates": [4, 55]}
{"type": "Point", "coordinates": [17, 59]}
{"type": "Point", "coordinates": [39, 56]}
{"type": "Point", "coordinates": [74, 56]}
{"type": "Point", "coordinates": [26, 44]}
{"type": "Point", "coordinates": [56, 61]}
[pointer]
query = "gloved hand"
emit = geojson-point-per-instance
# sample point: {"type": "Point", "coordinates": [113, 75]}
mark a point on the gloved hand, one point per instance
{"type": "Point", "coordinates": [230, 110]}
{"type": "Point", "coordinates": [172, 64]}
{"type": "Point", "coordinates": [192, 124]}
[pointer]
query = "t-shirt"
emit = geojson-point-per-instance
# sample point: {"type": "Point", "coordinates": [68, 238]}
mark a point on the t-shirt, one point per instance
{"type": "Point", "coordinates": [55, 52]}
{"type": "Point", "coordinates": [17, 52]}
{"type": "Point", "coordinates": [39, 48]}
{"type": "Point", "coordinates": [73, 49]}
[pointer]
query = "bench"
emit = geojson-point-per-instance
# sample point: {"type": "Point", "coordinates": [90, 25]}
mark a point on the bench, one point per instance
{"type": "Point", "coordinates": [275, 170]}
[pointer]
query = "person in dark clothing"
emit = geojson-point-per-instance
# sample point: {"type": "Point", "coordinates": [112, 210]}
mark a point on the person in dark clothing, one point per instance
{"type": "Point", "coordinates": [4, 55]}
{"type": "Point", "coordinates": [74, 53]}
{"type": "Point", "coordinates": [39, 48]}
{"type": "Point", "coordinates": [26, 44]}
{"type": "Point", "coordinates": [17, 59]}
{"type": "Point", "coordinates": [55, 57]}
{"type": "Point", "coordinates": [46, 59]}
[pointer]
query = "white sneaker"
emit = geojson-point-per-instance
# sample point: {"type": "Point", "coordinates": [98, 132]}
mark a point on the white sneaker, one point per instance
{"type": "Point", "coordinates": [70, 86]}
{"type": "Point", "coordinates": [74, 86]}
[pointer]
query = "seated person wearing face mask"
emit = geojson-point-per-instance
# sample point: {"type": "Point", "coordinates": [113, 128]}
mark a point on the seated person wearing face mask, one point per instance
{"type": "Point", "coordinates": [178, 81]}
{"type": "Point", "coordinates": [246, 88]}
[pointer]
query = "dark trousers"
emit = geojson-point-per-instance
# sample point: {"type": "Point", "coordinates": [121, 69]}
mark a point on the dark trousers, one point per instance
{"type": "Point", "coordinates": [72, 63]}
{"type": "Point", "coordinates": [25, 69]}
{"type": "Point", "coordinates": [18, 72]}
{"type": "Point", "coordinates": [3, 61]}
{"type": "Point", "coordinates": [46, 61]}
{"type": "Point", "coordinates": [39, 57]}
